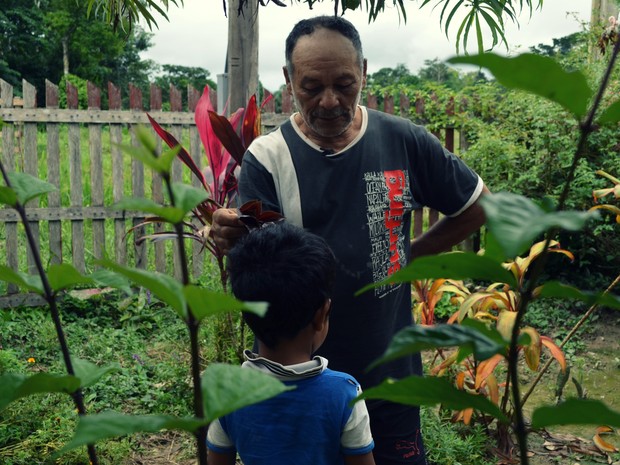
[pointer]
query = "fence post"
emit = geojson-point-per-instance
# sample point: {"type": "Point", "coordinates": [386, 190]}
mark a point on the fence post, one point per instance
{"type": "Point", "coordinates": [96, 171]}
{"type": "Point", "coordinates": [195, 150]}
{"type": "Point", "coordinates": [8, 159]}
{"type": "Point", "coordinates": [53, 173]}
{"type": "Point", "coordinates": [388, 104]}
{"type": "Point", "coordinates": [137, 180]}
{"type": "Point", "coordinates": [176, 104]}
{"type": "Point", "coordinates": [118, 175]}
{"type": "Point", "coordinates": [157, 186]}
{"type": "Point", "coordinates": [31, 165]}
{"type": "Point", "coordinates": [404, 105]}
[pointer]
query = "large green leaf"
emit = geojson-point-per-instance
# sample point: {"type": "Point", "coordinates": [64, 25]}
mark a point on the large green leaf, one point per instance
{"type": "Point", "coordinates": [93, 428]}
{"type": "Point", "coordinates": [15, 386]}
{"type": "Point", "coordinates": [203, 302]}
{"type": "Point", "coordinates": [171, 214]}
{"type": "Point", "coordinates": [63, 276]}
{"type": "Point", "coordinates": [164, 287]}
{"type": "Point", "coordinates": [431, 390]}
{"type": "Point", "coordinates": [187, 197]}
{"type": "Point", "coordinates": [109, 278]}
{"type": "Point", "coordinates": [539, 75]}
{"type": "Point", "coordinates": [89, 373]}
{"type": "Point", "coordinates": [563, 291]}
{"type": "Point", "coordinates": [575, 412]}
{"type": "Point", "coordinates": [31, 282]}
{"type": "Point", "coordinates": [517, 221]}
{"type": "Point", "coordinates": [452, 265]}
{"type": "Point", "coordinates": [8, 196]}
{"type": "Point", "coordinates": [226, 388]}
{"type": "Point", "coordinates": [146, 152]}
{"type": "Point", "coordinates": [417, 338]}
{"type": "Point", "coordinates": [28, 187]}
{"type": "Point", "coordinates": [611, 114]}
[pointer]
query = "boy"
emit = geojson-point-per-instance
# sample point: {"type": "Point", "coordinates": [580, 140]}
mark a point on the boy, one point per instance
{"type": "Point", "coordinates": [313, 424]}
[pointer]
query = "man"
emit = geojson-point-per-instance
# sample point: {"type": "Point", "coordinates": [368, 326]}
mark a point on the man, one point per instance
{"type": "Point", "coordinates": [353, 176]}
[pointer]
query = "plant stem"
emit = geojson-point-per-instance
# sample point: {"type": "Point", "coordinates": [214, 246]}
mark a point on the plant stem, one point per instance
{"type": "Point", "coordinates": [193, 326]}
{"type": "Point", "coordinates": [571, 333]}
{"type": "Point", "coordinates": [585, 129]}
{"type": "Point", "coordinates": [50, 297]}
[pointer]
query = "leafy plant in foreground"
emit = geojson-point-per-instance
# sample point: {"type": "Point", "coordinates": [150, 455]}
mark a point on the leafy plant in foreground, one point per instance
{"type": "Point", "coordinates": [219, 390]}
{"type": "Point", "coordinates": [513, 223]}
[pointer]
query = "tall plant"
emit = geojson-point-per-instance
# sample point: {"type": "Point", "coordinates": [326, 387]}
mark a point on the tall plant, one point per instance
{"type": "Point", "coordinates": [219, 390]}
{"type": "Point", "coordinates": [513, 222]}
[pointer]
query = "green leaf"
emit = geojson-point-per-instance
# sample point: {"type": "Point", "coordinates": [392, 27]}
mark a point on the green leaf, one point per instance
{"type": "Point", "coordinates": [108, 278]}
{"type": "Point", "coordinates": [452, 265]}
{"type": "Point", "coordinates": [226, 388]}
{"type": "Point", "coordinates": [203, 302]}
{"type": "Point", "coordinates": [89, 373]}
{"type": "Point", "coordinates": [32, 283]}
{"type": "Point", "coordinates": [563, 291]}
{"type": "Point", "coordinates": [575, 412]}
{"type": "Point", "coordinates": [422, 390]}
{"type": "Point", "coordinates": [93, 428]}
{"type": "Point", "coordinates": [187, 197]}
{"type": "Point", "coordinates": [417, 338]}
{"type": "Point", "coordinates": [517, 221]}
{"type": "Point", "coordinates": [63, 276]}
{"type": "Point", "coordinates": [611, 114]}
{"type": "Point", "coordinates": [8, 196]}
{"type": "Point", "coordinates": [15, 386]}
{"type": "Point", "coordinates": [539, 75]}
{"type": "Point", "coordinates": [164, 287]}
{"type": "Point", "coordinates": [28, 187]}
{"type": "Point", "coordinates": [171, 214]}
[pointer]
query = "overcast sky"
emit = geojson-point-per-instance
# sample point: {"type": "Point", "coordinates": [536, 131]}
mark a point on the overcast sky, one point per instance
{"type": "Point", "coordinates": [197, 34]}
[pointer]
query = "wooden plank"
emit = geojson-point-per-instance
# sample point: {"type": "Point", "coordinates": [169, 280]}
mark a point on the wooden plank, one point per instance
{"type": "Point", "coordinates": [176, 104]}
{"type": "Point", "coordinates": [197, 153]}
{"type": "Point", "coordinates": [47, 115]}
{"type": "Point", "coordinates": [371, 101]}
{"type": "Point", "coordinates": [388, 104]}
{"type": "Point", "coordinates": [96, 171]}
{"type": "Point", "coordinates": [8, 160]}
{"type": "Point", "coordinates": [157, 188]}
{"type": "Point", "coordinates": [76, 194]}
{"type": "Point", "coordinates": [53, 174]}
{"type": "Point", "coordinates": [404, 105]}
{"type": "Point", "coordinates": [287, 102]}
{"type": "Point", "coordinates": [70, 213]}
{"type": "Point", "coordinates": [31, 166]}
{"type": "Point", "coordinates": [137, 180]}
{"type": "Point", "coordinates": [118, 176]}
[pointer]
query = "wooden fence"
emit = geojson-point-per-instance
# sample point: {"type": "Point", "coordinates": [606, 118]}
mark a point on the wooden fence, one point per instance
{"type": "Point", "coordinates": [70, 224]}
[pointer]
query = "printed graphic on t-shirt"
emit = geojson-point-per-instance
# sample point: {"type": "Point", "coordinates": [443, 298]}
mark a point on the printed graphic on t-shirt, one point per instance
{"type": "Point", "coordinates": [388, 198]}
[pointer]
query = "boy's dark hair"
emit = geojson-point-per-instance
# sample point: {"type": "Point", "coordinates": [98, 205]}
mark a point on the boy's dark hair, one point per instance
{"type": "Point", "coordinates": [308, 26]}
{"type": "Point", "coordinates": [291, 269]}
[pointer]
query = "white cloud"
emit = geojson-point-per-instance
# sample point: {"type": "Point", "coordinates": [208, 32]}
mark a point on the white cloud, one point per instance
{"type": "Point", "coordinates": [197, 34]}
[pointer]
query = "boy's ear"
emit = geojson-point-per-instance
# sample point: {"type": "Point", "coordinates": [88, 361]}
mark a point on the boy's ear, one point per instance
{"type": "Point", "coordinates": [322, 315]}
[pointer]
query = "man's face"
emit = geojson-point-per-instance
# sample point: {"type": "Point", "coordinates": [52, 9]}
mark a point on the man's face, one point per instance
{"type": "Point", "coordinates": [326, 83]}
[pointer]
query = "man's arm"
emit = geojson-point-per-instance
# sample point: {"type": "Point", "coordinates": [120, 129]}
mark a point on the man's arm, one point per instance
{"type": "Point", "coordinates": [362, 459]}
{"type": "Point", "coordinates": [450, 231]}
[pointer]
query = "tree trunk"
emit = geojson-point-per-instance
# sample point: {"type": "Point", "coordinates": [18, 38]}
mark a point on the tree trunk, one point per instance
{"type": "Point", "coordinates": [65, 55]}
{"type": "Point", "coordinates": [242, 53]}
{"type": "Point", "coordinates": [601, 11]}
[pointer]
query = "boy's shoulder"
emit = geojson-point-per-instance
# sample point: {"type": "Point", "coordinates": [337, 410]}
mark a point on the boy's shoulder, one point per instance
{"type": "Point", "coordinates": [341, 380]}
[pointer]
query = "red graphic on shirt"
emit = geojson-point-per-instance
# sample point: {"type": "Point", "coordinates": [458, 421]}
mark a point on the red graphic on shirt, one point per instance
{"type": "Point", "coordinates": [396, 184]}
{"type": "Point", "coordinates": [409, 448]}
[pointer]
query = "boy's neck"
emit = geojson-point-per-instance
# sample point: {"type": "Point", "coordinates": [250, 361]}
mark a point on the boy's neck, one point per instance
{"type": "Point", "coordinates": [286, 353]}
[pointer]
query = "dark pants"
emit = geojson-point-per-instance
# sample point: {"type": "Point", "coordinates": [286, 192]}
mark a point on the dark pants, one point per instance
{"type": "Point", "coordinates": [396, 432]}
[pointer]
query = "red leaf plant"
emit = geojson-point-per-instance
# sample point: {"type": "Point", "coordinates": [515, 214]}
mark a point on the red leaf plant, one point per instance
{"type": "Point", "coordinates": [225, 141]}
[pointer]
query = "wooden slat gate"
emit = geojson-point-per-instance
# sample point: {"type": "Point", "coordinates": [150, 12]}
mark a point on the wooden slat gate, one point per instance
{"type": "Point", "coordinates": [80, 154]}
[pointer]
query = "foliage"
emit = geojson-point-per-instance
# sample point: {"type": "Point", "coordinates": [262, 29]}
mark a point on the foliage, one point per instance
{"type": "Point", "coordinates": [124, 14]}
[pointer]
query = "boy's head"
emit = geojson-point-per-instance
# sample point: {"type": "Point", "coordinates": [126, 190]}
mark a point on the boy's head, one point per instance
{"type": "Point", "coordinates": [291, 269]}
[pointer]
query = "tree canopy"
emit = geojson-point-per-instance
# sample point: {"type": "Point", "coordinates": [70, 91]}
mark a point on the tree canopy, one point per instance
{"type": "Point", "coordinates": [481, 14]}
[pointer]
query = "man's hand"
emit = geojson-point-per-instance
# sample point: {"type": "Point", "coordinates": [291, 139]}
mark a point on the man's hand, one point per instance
{"type": "Point", "coordinates": [227, 228]}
